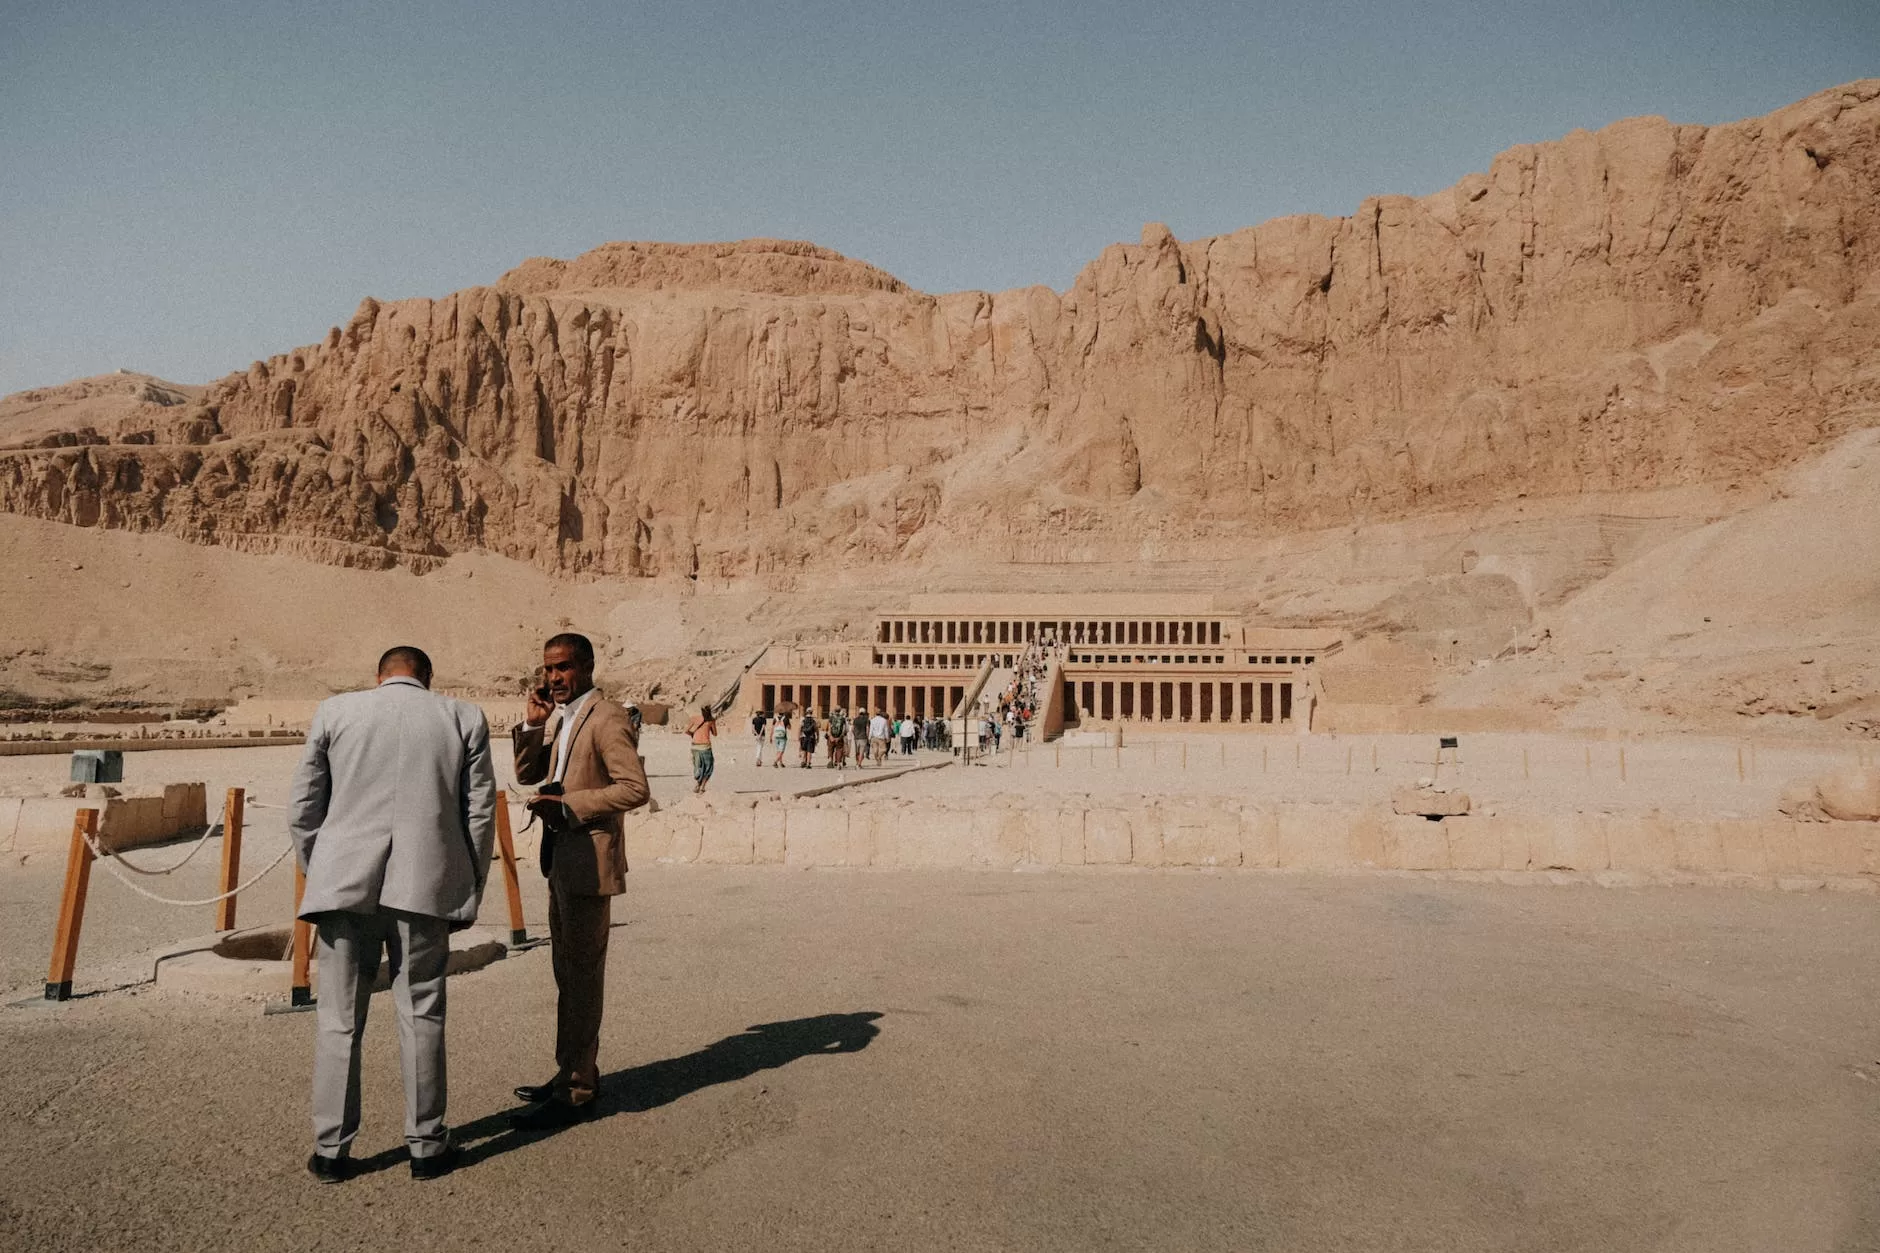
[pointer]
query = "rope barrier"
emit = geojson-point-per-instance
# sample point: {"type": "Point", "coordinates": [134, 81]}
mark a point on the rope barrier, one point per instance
{"type": "Point", "coordinates": [195, 848]}
{"type": "Point", "coordinates": [108, 857]}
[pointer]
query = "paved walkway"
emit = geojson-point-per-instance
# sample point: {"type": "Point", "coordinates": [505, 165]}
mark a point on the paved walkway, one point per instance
{"type": "Point", "coordinates": [956, 1060]}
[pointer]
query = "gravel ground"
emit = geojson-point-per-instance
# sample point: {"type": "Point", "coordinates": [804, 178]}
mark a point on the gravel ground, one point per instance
{"type": "Point", "coordinates": [1075, 1060]}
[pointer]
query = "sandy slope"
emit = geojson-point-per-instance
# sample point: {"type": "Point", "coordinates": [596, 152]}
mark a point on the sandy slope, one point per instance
{"type": "Point", "coordinates": [1774, 610]}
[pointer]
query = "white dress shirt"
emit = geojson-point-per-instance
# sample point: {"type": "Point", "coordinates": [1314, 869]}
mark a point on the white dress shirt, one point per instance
{"type": "Point", "coordinates": [568, 714]}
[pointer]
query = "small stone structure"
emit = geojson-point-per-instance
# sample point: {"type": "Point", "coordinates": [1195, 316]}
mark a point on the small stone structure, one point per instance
{"type": "Point", "coordinates": [133, 821]}
{"type": "Point", "coordinates": [34, 825]}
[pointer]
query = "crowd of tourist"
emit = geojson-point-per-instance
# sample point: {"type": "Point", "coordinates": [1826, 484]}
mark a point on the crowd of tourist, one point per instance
{"type": "Point", "coordinates": [1006, 719]}
{"type": "Point", "coordinates": [856, 737]}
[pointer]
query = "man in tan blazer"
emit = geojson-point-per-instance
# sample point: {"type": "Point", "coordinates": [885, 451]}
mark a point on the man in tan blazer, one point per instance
{"type": "Point", "coordinates": [574, 737]}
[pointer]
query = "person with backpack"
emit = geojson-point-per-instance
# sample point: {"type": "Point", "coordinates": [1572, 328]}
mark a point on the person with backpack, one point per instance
{"type": "Point", "coordinates": [838, 738]}
{"type": "Point", "coordinates": [806, 739]}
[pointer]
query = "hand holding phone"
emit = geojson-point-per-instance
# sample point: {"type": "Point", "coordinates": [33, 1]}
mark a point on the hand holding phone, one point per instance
{"type": "Point", "coordinates": [539, 707]}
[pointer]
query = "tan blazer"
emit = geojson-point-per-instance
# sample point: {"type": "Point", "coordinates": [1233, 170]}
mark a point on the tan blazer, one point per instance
{"type": "Point", "coordinates": [603, 781]}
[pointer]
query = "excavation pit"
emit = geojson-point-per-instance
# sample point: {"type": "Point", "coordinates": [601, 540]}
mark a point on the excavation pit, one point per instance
{"type": "Point", "coordinates": [255, 963]}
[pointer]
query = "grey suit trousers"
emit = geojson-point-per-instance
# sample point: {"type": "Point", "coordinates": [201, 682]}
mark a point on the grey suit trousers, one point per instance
{"type": "Point", "coordinates": [418, 948]}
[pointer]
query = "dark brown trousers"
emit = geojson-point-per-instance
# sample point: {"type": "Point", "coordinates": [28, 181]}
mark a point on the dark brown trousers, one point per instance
{"type": "Point", "coordinates": [577, 930]}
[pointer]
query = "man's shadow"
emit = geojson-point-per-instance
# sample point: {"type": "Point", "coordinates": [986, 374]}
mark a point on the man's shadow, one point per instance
{"type": "Point", "coordinates": [637, 1089]}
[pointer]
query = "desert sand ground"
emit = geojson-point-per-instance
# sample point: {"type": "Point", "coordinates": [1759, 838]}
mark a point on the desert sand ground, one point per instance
{"type": "Point", "coordinates": [950, 1059]}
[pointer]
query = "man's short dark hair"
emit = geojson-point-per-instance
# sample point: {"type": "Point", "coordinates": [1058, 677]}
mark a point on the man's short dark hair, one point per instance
{"type": "Point", "coordinates": [413, 659]}
{"type": "Point", "coordinates": [580, 645]}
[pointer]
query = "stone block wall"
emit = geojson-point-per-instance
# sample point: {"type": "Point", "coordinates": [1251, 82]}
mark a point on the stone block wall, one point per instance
{"type": "Point", "coordinates": [1008, 832]}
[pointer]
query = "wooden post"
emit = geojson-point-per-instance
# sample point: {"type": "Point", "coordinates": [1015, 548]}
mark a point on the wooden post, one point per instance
{"type": "Point", "coordinates": [1589, 761]}
{"type": "Point", "coordinates": [506, 848]}
{"type": "Point", "coordinates": [1347, 759]}
{"type": "Point", "coordinates": [1184, 754]}
{"type": "Point", "coordinates": [1739, 763]}
{"type": "Point", "coordinates": [1524, 761]}
{"type": "Point", "coordinates": [1373, 756]}
{"type": "Point", "coordinates": [1223, 752]}
{"type": "Point", "coordinates": [1263, 749]}
{"type": "Point", "coordinates": [1057, 755]}
{"type": "Point", "coordinates": [231, 857]}
{"type": "Point", "coordinates": [1622, 763]}
{"type": "Point", "coordinates": [300, 993]}
{"type": "Point", "coordinates": [71, 907]}
{"type": "Point", "coordinates": [1297, 750]}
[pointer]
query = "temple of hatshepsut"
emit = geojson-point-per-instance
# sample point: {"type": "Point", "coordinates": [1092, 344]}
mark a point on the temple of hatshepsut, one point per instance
{"type": "Point", "coordinates": [1109, 659]}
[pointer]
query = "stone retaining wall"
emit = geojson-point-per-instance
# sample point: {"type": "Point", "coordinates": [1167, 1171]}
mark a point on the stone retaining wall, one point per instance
{"type": "Point", "coordinates": [1008, 832]}
{"type": "Point", "coordinates": [43, 825]}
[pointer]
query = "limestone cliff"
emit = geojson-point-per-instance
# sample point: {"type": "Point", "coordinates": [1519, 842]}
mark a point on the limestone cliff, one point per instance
{"type": "Point", "coordinates": [1645, 305]}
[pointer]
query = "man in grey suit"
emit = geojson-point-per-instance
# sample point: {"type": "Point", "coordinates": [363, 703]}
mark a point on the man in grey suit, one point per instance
{"type": "Point", "coordinates": [393, 816]}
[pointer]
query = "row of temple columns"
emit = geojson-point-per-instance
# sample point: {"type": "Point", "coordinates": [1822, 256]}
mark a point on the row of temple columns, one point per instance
{"type": "Point", "coordinates": [1026, 630]}
{"type": "Point", "coordinates": [1179, 700]}
{"type": "Point", "coordinates": [897, 700]}
{"type": "Point", "coordinates": [940, 661]}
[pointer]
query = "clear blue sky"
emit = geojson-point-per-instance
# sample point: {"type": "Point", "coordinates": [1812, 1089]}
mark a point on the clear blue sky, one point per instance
{"type": "Point", "coordinates": [186, 185]}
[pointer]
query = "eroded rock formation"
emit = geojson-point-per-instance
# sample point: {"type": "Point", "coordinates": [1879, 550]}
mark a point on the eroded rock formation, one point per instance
{"type": "Point", "coordinates": [1645, 305]}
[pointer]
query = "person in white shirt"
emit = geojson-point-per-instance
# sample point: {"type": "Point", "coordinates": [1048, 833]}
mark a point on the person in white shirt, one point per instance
{"type": "Point", "coordinates": [878, 738]}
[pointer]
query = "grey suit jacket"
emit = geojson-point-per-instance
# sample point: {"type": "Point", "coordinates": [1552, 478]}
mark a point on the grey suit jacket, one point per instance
{"type": "Point", "coordinates": [394, 804]}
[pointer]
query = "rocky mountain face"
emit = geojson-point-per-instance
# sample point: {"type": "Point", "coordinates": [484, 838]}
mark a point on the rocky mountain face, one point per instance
{"type": "Point", "coordinates": [1647, 305]}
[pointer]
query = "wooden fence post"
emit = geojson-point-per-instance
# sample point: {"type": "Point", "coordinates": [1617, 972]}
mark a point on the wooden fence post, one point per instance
{"type": "Point", "coordinates": [506, 846]}
{"type": "Point", "coordinates": [300, 994]}
{"type": "Point", "coordinates": [71, 907]}
{"type": "Point", "coordinates": [231, 858]}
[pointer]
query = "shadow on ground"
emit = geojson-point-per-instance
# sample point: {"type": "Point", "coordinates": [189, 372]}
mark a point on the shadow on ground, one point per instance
{"type": "Point", "coordinates": [766, 1046]}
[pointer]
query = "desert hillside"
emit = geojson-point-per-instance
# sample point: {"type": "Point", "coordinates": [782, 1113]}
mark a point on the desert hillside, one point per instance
{"type": "Point", "coordinates": [1648, 305]}
{"type": "Point", "coordinates": [1705, 608]}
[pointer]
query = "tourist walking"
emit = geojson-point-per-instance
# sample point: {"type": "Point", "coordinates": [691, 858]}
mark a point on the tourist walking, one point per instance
{"type": "Point", "coordinates": [702, 728]}
{"type": "Point", "coordinates": [838, 738]}
{"type": "Point", "coordinates": [760, 726]}
{"type": "Point", "coordinates": [806, 739]}
{"type": "Point", "coordinates": [858, 726]}
{"type": "Point", "coordinates": [878, 738]}
{"type": "Point", "coordinates": [393, 816]}
{"type": "Point", "coordinates": [779, 737]}
{"type": "Point", "coordinates": [580, 747]}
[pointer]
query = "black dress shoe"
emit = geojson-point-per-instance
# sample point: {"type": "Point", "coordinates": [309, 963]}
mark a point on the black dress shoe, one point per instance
{"type": "Point", "coordinates": [330, 1169]}
{"type": "Point", "coordinates": [435, 1167]}
{"type": "Point", "coordinates": [530, 1093]}
{"type": "Point", "coordinates": [548, 1115]}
